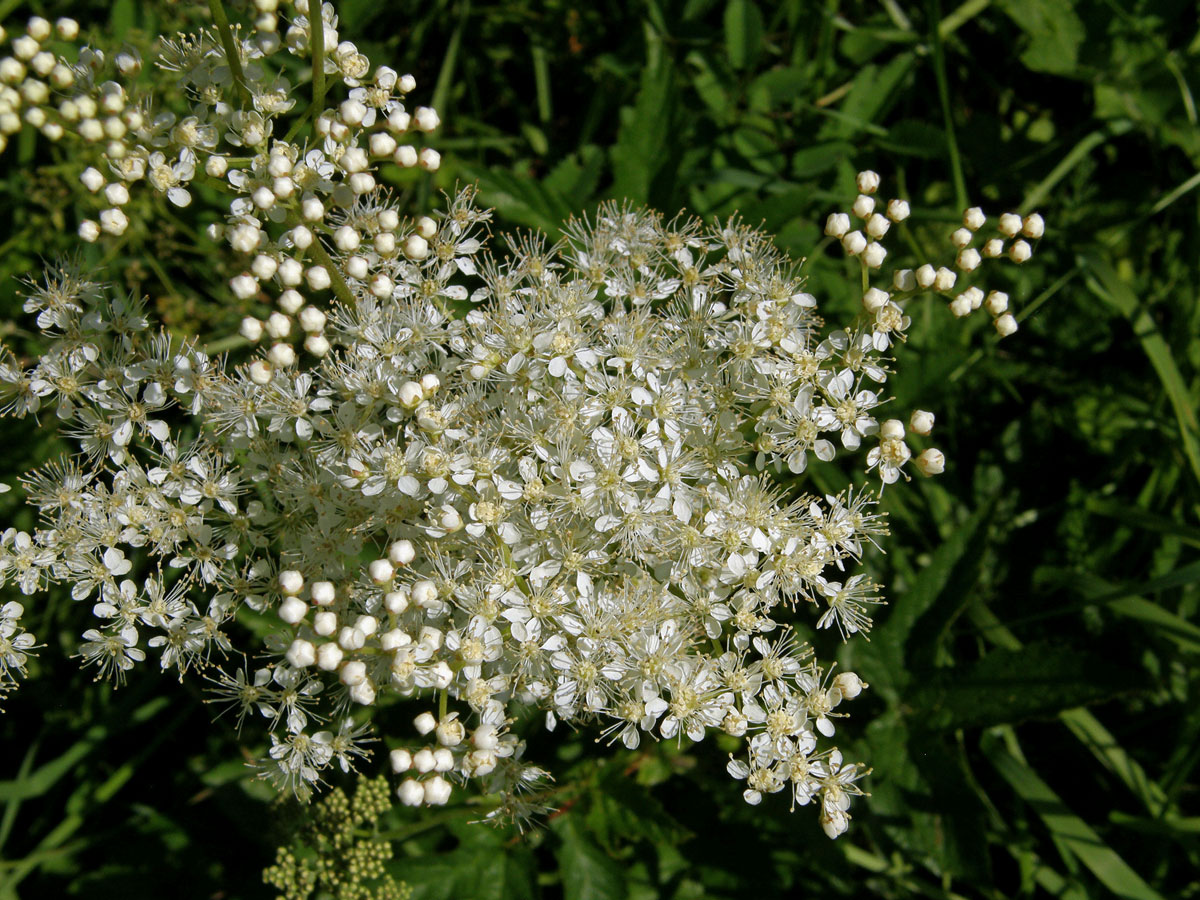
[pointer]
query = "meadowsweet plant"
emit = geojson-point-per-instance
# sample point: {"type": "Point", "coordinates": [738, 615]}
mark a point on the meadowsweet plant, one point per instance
{"type": "Point", "coordinates": [340, 852]}
{"type": "Point", "coordinates": [566, 478]}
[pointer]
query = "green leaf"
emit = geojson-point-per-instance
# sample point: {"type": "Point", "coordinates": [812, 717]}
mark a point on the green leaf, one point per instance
{"type": "Point", "coordinates": [743, 33]}
{"type": "Point", "coordinates": [645, 138]}
{"type": "Point", "coordinates": [485, 866]}
{"type": "Point", "coordinates": [1007, 686]}
{"type": "Point", "coordinates": [1066, 827]}
{"type": "Point", "coordinates": [871, 91]}
{"type": "Point", "coordinates": [944, 583]}
{"type": "Point", "coordinates": [1055, 33]}
{"type": "Point", "coordinates": [588, 872]}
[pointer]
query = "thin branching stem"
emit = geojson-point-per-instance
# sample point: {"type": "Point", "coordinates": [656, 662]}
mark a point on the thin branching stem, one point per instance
{"type": "Point", "coordinates": [217, 8]}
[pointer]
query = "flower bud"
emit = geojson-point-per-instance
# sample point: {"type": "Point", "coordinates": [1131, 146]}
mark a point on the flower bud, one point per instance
{"type": "Point", "coordinates": [429, 159]}
{"type": "Point", "coordinates": [425, 723]}
{"type": "Point", "coordinates": [437, 791]}
{"type": "Point", "coordinates": [277, 325]}
{"type": "Point", "coordinates": [484, 737]}
{"type": "Point", "coordinates": [863, 206]}
{"type": "Point", "coordinates": [974, 218]}
{"type": "Point", "coordinates": [854, 243]}
{"type": "Point", "coordinates": [926, 276]}
{"type": "Point", "coordinates": [301, 653]}
{"type": "Point", "coordinates": [353, 673]}
{"type": "Point", "coordinates": [282, 356]}
{"type": "Point", "coordinates": [329, 656]}
{"type": "Point", "coordinates": [997, 303]}
{"type": "Point", "coordinates": [380, 571]}
{"type": "Point", "coordinates": [318, 278]}
{"type": "Point", "coordinates": [312, 319]}
{"type": "Point", "coordinates": [874, 255]}
{"type": "Point", "coordinates": [416, 247]}
{"type": "Point", "coordinates": [837, 225]}
{"type": "Point", "coordinates": [411, 792]}
{"type": "Point", "coordinates": [251, 329]}
{"type": "Point", "coordinates": [260, 371]}
{"type": "Point", "coordinates": [875, 299]}
{"type": "Point", "coordinates": [1005, 325]}
{"type": "Point", "coordinates": [426, 227]}
{"type": "Point", "coordinates": [904, 280]}
{"type": "Point", "coordinates": [1010, 224]}
{"type": "Point", "coordinates": [363, 693]}
{"type": "Point", "coordinates": [877, 226]}
{"type": "Point", "coordinates": [944, 279]}
{"type": "Point", "coordinates": [849, 684]}
{"type": "Point", "coordinates": [358, 267]}
{"type": "Point", "coordinates": [316, 344]}
{"type": "Point", "coordinates": [931, 462]}
{"type": "Point", "coordinates": [401, 760]}
{"type": "Point", "coordinates": [292, 610]}
{"type": "Point", "coordinates": [396, 602]}
{"type": "Point", "coordinates": [892, 429]}
{"type": "Point", "coordinates": [450, 732]}
{"type": "Point", "coordinates": [898, 210]}
{"type": "Point", "coordinates": [424, 594]}
{"type": "Point", "coordinates": [1018, 252]}
{"type": "Point", "coordinates": [92, 179]}
{"type": "Point", "coordinates": [382, 144]}
{"type": "Point", "coordinates": [291, 582]}
{"type": "Point", "coordinates": [426, 118]}
{"type": "Point", "coordinates": [993, 248]}
{"type": "Point", "coordinates": [401, 553]}
{"type": "Point", "coordinates": [968, 259]}
{"type": "Point", "coordinates": [325, 622]}
{"type": "Point", "coordinates": [867, 181]}
{"type": "Point", "coordinates": [1034, 226]}
{"type": "Point", "coordinates": [921, 421]}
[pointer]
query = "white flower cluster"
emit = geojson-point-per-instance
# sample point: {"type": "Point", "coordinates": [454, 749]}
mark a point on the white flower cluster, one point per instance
{"type": "Point", "coordinates": [561, 478]}
{"type": "Point", "coordinates": [15, 646]}
{"type": "Point", "coordinates": [286, 195]}
{"type": "Point", "coordinates": [887, 305]}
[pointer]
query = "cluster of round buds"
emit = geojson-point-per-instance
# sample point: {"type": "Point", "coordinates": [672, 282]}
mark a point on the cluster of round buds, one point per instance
{"type": "Point", "coordinates": [452, 752]}
{"type": "Point", "coordinates": [31, 74]}
{"type": "Point", "coordinates": [288, 201]}
{"type": "Point", "coordinates": [893, 452]}
{"type": "Point", "coordinates": [865, 241]}
{"type": "Point", "coordinates": [971, 249]}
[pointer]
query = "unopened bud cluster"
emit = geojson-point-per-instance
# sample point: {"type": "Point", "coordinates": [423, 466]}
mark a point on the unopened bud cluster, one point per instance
{"type": "Point", "coordinates": [287, 198]}
{"type": "Point", "coordinates": [971, 244]}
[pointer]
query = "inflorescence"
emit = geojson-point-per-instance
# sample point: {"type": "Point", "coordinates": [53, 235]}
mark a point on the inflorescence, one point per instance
{"type": "Point", "coordinates": [561, 477]}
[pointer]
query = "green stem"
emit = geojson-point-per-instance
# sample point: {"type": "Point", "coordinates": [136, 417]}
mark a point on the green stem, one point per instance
{"type": "Point", "coordinates": [337, 283]}
{"type": "Point", "coordinates": [943, 86]}
{"type": "Point", "coordinates": [231, 51]}
{"type": "Point", "coordinates": [316, 30]}
{"type": "Point", "coordinates": [340, 289]}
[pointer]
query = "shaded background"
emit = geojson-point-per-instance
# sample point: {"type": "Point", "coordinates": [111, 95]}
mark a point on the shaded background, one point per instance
{"type": "Point", "coordinates": [1032, 721]}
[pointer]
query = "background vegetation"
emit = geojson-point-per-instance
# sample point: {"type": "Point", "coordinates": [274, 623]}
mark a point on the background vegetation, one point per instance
{"type": "Point", "coordinates": [1033, 718]}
